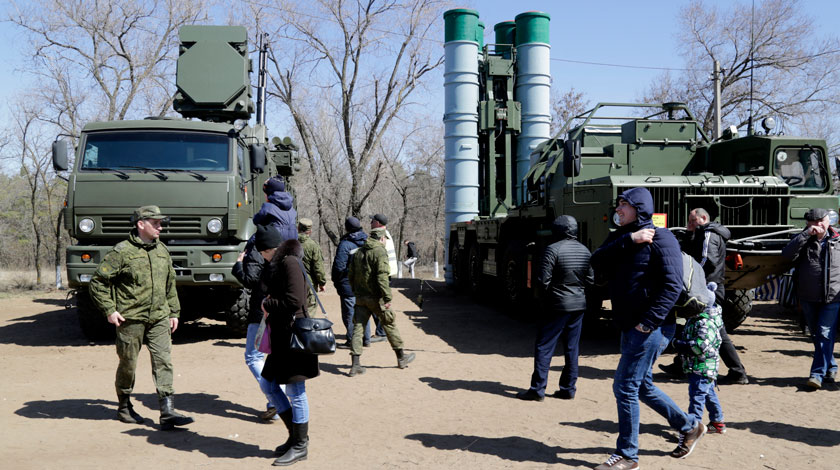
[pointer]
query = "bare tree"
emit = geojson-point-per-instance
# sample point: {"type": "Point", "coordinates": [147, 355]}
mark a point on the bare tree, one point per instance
{"type": "Point", "coordinates": [796, 73]}
{"type": "Point", "coordinates": [95, 59]}
{"type": "Point", "coordinates": [565, 106]}
{"type": "Point", "coordinates": [346, 73]}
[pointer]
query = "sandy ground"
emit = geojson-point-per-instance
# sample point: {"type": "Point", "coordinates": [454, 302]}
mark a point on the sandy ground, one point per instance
{"type": "Point", "coordinates": [454, 407]}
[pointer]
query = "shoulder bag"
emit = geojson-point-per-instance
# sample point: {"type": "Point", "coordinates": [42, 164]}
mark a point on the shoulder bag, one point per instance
{"type": "Point", "coordinates": [312, 335]}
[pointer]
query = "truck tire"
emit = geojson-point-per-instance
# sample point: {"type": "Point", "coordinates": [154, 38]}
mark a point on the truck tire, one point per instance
{"type": "Point", "coordinates": [236, 314]}
{"type": "Point", "coordinates": [94, 325]}
{"type": "Point", "coordinates": [736, 305]}
{"type": "Point", "coordinates": [459, 275]}
{"type": "Point", "coordinates": [514, 275]}
{"type": "Point", "coordinates": [476, 282]}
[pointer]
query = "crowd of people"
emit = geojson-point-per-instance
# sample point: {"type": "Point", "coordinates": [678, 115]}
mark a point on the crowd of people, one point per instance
{"type": "Point", "coordinates": [134, 287]}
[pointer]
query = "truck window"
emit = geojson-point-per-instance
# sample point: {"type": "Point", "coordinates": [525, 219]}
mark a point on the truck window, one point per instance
{"type": "Point", "coordinates": [801, 168]}
{"type": "Point", "coordinates": [159, 150]}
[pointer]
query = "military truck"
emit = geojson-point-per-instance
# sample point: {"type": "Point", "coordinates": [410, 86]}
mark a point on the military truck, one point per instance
{"type": "Point", "coordinates": [205, 171]}
{"type": "Point", "coordinates": [759, 186]}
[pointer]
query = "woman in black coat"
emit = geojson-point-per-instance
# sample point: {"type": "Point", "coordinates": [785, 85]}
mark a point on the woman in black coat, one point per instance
{"type": "Point", "coordinates": [285, 284]}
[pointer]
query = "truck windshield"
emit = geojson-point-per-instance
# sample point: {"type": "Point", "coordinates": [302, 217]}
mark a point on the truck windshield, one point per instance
{"type": "Point", "coordinates": [157, 150]}
{"type": "Point", "coordinates": [802, 168]}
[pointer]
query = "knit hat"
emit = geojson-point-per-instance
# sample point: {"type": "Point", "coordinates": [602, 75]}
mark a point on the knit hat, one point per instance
{"type": "Point", "coordinates": [267, 238]}
{"type": "Point", "coordinates": [274, 184]}
{"type": "Point", "coordinates": [352, 224]}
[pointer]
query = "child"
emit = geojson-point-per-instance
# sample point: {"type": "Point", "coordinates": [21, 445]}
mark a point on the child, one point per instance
{"type": "Point", "coordinates": [699, 344]}
{"type": "Point", "coordinates": [277, 211]}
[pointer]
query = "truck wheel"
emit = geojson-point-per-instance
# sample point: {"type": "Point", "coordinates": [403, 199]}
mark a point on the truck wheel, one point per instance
{"type": "Point", "coordinates": [94, 325]}
{"type": "Point", "coordinates": [476, 283]}
{"type": "Point", "coordinates": [736, 305]}
{"type": "Point", "coordinates": [236, 315]}
{"type": "Point", "coordinates": [513, 276]}
{"type": "Point", "coordinates": [459, 275]}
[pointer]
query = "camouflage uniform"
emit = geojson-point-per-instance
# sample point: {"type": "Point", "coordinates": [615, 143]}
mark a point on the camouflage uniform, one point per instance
{"type": "Point", "coordinates": [138, 281]}
{"type": "Point", "coordinates": [313, 261]}
{"type": "Point", "coordinates": [368, 277]}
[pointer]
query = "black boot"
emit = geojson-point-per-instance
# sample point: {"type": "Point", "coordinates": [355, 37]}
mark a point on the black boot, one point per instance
{"type": "Point", "coordinates": [170, 418]}
{"type": "Point", "coordinates": [286, 417]}
{"type": "Point", "coordinates": [356, 368]}
{"type": "Point", "coordinates": [298, 450]}
{"type": "Point", "coordinates": [403, 359]}
{"type": "Point", "coordinates": [125, 411]}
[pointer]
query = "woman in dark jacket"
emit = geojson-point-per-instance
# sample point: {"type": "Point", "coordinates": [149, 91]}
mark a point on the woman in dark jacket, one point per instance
{"type": "Point", "coordinates": [286, 287]}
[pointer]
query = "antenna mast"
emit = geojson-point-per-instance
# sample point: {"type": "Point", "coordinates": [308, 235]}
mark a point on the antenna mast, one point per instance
{"type": "Point", "coordinates": [752, 68]}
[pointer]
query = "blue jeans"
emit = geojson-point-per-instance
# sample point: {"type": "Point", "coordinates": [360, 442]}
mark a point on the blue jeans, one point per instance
{"type": "Point", "coordinates": [255, 361]}
{"type": "Point", "coordinates": [300, 403]}
{"type": "Point", "coordinates": [557, 326]}
{"type": "Point", "coordinates": [701, 395]}
{"type": "Point", "coordinates": [634, 382]}
{"type": "Point", "coordinates": [822, 321]}
{"type": "Point", "coordinates": [348, 306]}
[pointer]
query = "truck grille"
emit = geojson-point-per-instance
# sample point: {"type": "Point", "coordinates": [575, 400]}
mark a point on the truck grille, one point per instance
{"type": "Point", "coordinates": [178, 225]}
{"type": "Point", "coordinates": [731, 206]}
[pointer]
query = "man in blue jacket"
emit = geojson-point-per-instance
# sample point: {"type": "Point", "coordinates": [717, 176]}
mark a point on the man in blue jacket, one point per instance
{"type": "Point", "coordinates": [644, 267]}
{"type": "Point", "coordinates": [347, 246]}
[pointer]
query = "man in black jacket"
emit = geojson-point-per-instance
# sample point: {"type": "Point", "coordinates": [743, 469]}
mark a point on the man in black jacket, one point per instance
{"type": "Point", "coordinates": [564, 275]}
{"type": "Point", "coordinates": [706, 242]}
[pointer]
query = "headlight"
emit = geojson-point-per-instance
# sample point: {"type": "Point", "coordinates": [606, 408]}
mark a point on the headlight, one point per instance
{"type": "Point", "coordinates": [216, 277]}
{"type": "Point", "coordinates": [214, 226]}
{"type": "Point", "coordinates": [832, 217]}
{"type": "Point", "coordinates": [86, 225]}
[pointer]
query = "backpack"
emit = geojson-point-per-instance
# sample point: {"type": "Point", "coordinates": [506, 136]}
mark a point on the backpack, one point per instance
{"type": "Point", "coordinates": [694, 295]}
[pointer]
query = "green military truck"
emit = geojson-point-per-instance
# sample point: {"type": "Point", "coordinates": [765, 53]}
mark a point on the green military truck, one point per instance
{"type": "Point", "coordinates": [205, 173]}
{"type": "Point", "coordinates": [759, 186]}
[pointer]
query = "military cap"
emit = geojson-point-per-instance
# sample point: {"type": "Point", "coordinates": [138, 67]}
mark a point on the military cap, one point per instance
{"type": "Point", "coordinates": [380, 218]}
{"type": "Point", "coordinates": [147, 212]}
{"type": "Point", "coordinates": [817, 213]}
{"type": "Point", "coordinates": [304, 224]}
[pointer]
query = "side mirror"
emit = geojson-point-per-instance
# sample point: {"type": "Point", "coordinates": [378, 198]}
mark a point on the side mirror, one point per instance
{"type": "Point", "coordinates": [257, 158]}
{"type": "Point", "coordinates": [59, 155]}
{"type": "Point", "coordinates": [571, 158]}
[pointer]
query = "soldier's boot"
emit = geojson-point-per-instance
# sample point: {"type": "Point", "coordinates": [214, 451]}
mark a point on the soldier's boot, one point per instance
{"type": "Point", "coordinates": [298, 450]}
{"type": "Point", "coordinates": [170, 418]}
{"type": "Point", "coordinates": [356, 368]}
{"type": "Point", "coordinates": [403, 359]}
{"type": "Point", "coordinates": [286, 417]}
{"type": "Point", "coordinates": [125, 410]}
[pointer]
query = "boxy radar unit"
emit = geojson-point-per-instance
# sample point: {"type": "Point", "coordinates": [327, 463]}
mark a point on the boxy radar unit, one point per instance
{"type": "Point", "coordinates": [507, 179]}
{"type": "Point", "coordinates": [205, 174]}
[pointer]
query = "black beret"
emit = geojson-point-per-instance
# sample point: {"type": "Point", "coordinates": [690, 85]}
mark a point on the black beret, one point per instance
{"type": "Point", "coordinates": [380, 218]}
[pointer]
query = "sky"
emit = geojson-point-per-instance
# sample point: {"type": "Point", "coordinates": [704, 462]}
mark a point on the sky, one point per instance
{"type": "Point", "coordinates": [638, 38]}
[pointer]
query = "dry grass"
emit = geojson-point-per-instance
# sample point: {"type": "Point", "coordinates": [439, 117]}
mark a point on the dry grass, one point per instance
{"type": "Point", "coordinates": [12, 281]}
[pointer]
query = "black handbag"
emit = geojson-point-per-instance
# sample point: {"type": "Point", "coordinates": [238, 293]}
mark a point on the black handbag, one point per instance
{"type": "Point", "coordinates": [312, 335]}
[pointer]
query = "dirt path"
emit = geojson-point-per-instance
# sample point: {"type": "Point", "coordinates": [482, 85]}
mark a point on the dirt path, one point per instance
{"type": "Point", "coordinates": [453, 408]}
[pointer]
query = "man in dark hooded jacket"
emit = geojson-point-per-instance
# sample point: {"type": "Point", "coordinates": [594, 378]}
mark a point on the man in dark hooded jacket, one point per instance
{"type": "Point", "coordinates": [564, 275]}
{"type": "Point", "coordinates": [644, 267]}
{"type": "Point", "coordinates": [278, 210]}
{"type": "Point", "coordinates": [705, 241]}
{"type": "Point", "coordinates": [349, 244]}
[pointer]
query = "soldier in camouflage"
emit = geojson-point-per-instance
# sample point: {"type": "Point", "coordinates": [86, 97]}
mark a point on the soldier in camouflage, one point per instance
{"type": "Point", "coordinates": [313, 261]}
{"type": "Point", "coordinates": [368, 277]}
{"type": "Point", "coordinates": [134, 287]}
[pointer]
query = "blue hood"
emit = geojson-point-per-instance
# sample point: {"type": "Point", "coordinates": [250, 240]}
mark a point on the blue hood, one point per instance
{"type": "Point", "coordinates": [642, 201]}
{"type": "Point", "coordinates": [281, 199]}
